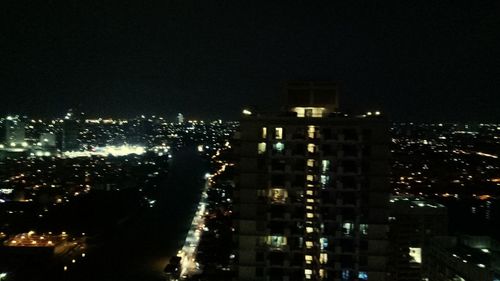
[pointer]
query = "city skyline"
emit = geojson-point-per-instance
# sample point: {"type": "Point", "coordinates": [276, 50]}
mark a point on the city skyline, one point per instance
{"type": "Point", "coordinates": [420, 62]}
{"type": "Point", "coordinates": [250, 141]}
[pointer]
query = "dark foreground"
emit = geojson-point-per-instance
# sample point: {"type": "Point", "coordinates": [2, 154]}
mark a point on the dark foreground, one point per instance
{"type": "Point", "coordinates": [139, 247]}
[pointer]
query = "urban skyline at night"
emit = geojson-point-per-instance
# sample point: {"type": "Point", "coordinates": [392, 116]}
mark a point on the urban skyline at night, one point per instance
{"type": "Point", "coordinates": [249, 141]}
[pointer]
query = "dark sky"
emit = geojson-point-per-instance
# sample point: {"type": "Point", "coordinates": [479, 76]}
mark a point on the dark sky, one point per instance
{"type": "Point", "coordinates": [417, 60]}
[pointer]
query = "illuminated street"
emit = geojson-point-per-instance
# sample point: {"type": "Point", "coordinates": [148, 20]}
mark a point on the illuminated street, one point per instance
{"type": "Point", "coordinates": [140, 247]}
{"type": "Point", "coordinates": [189, 266]}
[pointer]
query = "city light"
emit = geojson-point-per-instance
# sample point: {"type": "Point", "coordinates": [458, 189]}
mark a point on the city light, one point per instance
{"type": "Point", "coordinates": [117, 151]}
{"type": "Point", "coordinates": [247, 112]}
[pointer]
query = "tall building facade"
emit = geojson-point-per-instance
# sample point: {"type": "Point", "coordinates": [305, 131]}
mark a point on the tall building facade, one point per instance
{"type": "Point", "coordinates": [70, 134]}
{"type": "Point", "coordinates": [14, 132]}
{"type": "Point", "coordinates": [71, 131]}
{"type": "Point", "coordinates": [312, 194]}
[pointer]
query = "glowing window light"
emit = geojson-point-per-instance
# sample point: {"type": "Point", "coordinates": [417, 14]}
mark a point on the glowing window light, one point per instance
{"type": "Point", "coordinates": [323, 258]}
{"type": "Point", "coordinates": [278, 133]}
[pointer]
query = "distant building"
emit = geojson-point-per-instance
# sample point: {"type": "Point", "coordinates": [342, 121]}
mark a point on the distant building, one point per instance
{"type": "Point", "coordinates": [412, 223]}
{"type": "Point", "coordinates": [180, 118]}
{"type": "Point", "coordinates": [312, 197]}
{"type": "Point", "coordinates": [14, 132]}
{"type": "Point", "coordinates": [70, 134]}
{"type": "Point", "coordinates": [465, 258]}
{"type": "Point", "coordinates": [47, 140]}
{"type": "Point", "coordinates": [71, 131]}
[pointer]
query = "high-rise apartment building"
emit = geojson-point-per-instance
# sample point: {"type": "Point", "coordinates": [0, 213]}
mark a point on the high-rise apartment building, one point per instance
{"type": "Point", "coordinates": [180, 118]}
{"type": "Point", "coordinates": [312, 196]}
{"type": "Point", "coordinates": [14, 132]}
{"type": "Point", "coordinates": [71, 131]}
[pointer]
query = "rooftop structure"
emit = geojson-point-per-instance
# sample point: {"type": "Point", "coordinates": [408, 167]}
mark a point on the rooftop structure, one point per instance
{"type": "Point", "coordinates": [413, 221]}
{"type": "Point", "coordinates": [471, 258]}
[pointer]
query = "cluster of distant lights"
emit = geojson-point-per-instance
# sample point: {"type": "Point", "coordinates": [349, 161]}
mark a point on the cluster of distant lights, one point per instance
{"type": "Point", "coordinates": [374, 113]}
{"type": "Point", "coordinates": [122, 150]}
{"type": "Point", "coordinates": [369, 113]}
{"type": "Point", "coordinates": [484, 250]}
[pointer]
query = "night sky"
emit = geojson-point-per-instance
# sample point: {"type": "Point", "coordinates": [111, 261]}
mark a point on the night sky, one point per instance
{"type": "Point", "coordinates": [418, 60]}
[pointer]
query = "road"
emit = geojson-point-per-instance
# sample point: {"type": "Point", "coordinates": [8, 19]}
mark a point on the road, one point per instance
{"type": "Point", "coordinates": [140, 247]}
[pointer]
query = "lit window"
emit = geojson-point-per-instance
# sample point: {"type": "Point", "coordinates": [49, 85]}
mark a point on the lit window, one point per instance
{"type": "Point", "coordinates": [324, 180]}
{"type": "Point", "coordinates": [322, 273]}
{"type": "Point", "coordinates": [310, 178]}
{"type": "Point", "coordinates": [279, 146]}
{"type": "Point", "coordinates": [309, 229]}
{"type": "Point", "coordinates": [308, 273]}
{"type": "Point", "coordinates": [362, 275]}
{"type": "Point", "coordinates": [309, 111]}
{"type": "Point", "coordinates": [311, 132]}
{"type": "Point", "coordinates": [261, 147]}
{"type": "Point", "coordinates": [310, 215]}
{"type": "Point", "coordinates": [310, 192]}
{"type": "Point", "coordinates": [310, 163]}
{"type": "Point", "coordinates": [264, 132]}
{"type": "Point", "coordinates": [325, 166]}
{"type": "Point", "coordinates": [278, 195]}
{"type": "Point", "coordinates": [323, 258]}
{"type": "Point", "coordinates": [309, 207]}
{"type": "Point", "coordinates": [346, 275]}
{"type": "Point", "coordinates": [416, 255]}
{"type": "Point", "coordinates": [310, 200]}
{"type": "Point", "coordinates": [311, 148]}
{"type": "Point", "coordinates": [309, 244]}
{"type": "Point", "coordinates": [276, 242]}
{"type": "Point", "coordinates": [323, 243]}
{"type": "Point", "coordinates": [348, 228]}
{"type": "Point", "coordinates": [308, 258]}
{"type": "Point", "coordinates": [279, 133]}
{"type": "Point", "coordinates": [363, 229]}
